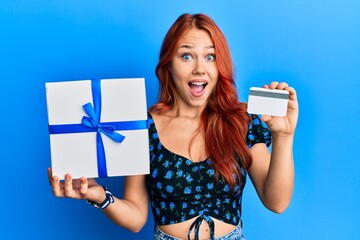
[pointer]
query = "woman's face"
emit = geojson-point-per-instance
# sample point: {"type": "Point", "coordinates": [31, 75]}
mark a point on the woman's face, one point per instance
{"type": "Point", "coordinates": [193, 67]}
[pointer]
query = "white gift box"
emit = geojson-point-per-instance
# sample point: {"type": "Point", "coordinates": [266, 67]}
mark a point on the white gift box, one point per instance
{"type": "Point", "coordinates": [75, 148]}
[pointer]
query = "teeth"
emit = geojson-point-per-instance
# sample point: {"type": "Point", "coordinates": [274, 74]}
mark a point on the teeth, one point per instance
{"type": "Point", "coordinates": [197, 87]}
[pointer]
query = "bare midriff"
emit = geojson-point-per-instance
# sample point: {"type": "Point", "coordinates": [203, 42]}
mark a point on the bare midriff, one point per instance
{"type": "Point", "coordinates": [180, 230]}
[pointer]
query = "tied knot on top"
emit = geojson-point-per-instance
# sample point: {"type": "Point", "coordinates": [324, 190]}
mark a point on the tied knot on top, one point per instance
{"type": "Point", "coordinates": [92, 121]}
{"type": "Point", "coordinates": [196, 226]}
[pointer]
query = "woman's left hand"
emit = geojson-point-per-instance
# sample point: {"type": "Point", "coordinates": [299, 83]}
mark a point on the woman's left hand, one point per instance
{"type": "Point", "coordinates": [283, 125]}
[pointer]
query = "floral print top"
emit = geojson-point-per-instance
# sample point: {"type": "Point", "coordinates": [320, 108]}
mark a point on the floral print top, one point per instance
{"type": "Point", "coordinates": [180, 189]}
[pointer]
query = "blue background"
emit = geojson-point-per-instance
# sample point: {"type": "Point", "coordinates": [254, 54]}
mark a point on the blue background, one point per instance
{"type": "Point", "coordinates": [313, 45]}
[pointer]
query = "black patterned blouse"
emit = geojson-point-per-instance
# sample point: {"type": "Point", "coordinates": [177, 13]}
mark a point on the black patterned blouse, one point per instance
{"type": "Point", "coordinates": [180, 189]}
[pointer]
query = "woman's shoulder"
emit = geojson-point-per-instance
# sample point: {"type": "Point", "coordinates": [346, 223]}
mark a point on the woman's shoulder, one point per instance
{"type": "Point", "coordinates": [159, 119]}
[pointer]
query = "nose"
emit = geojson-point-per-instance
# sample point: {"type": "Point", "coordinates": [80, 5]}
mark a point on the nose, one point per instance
{"type": "Point", "coordinates": [199, 67]}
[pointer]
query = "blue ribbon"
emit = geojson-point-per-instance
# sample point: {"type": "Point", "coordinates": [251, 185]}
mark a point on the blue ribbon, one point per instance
{"type": "Point", "coordinates": [91, 123]}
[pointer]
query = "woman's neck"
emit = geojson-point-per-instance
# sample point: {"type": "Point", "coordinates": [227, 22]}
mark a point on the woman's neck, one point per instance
{"type": "Point", "coordinates": [186, 111]}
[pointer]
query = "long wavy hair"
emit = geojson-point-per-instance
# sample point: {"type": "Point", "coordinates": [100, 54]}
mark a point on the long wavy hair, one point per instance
{"type": "Point", "coordinates": [224, 119]}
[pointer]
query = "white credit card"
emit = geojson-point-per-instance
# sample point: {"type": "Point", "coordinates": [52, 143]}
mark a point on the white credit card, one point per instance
{"type": "Point", "coordinates": [271, 102]}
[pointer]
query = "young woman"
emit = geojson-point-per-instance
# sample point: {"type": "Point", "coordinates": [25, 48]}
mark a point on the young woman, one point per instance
{"type": "Point", "coordinates": [202, 145]}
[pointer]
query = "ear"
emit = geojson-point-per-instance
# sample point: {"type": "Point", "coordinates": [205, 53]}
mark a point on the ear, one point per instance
{"type": "Point", "coordinates": [169, 67]}
{"type": "Point", "coordinates": [170, 70]}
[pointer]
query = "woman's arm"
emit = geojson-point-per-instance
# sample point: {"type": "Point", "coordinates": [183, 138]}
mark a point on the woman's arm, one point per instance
{"type": "Point", "coordinates": [131, 212]}
{"type": "Point", "coordinates": [273, 174]}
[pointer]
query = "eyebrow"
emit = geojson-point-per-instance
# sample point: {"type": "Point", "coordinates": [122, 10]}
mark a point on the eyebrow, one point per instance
{"type": "Point", "coordinates": [187, 46]}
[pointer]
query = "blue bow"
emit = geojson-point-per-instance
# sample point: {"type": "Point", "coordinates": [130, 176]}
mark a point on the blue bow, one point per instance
{"type": "Point", "coordinates": [92, 122]}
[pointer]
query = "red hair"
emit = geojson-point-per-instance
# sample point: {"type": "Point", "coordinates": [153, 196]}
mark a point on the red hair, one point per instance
{"type": "Point", "coordinates": [224, 119]}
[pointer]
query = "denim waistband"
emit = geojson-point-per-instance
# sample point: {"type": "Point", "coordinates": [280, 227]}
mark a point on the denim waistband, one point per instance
{"type": "Point", "coordinates": [235, 234]}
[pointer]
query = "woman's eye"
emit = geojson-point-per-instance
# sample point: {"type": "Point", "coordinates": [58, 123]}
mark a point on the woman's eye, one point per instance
{"type": "Point", "coordinates": [186, 56]}
{"type": "Point", "coordinates": [210, 57]}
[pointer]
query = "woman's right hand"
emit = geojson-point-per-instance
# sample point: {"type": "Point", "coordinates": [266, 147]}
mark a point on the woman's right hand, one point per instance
{"type": "Point", "coordinates": [82, 188]}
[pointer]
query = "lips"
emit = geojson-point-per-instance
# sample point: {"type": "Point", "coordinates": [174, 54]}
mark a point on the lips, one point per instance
{"type": "Point", "coordinates": [197, 87]}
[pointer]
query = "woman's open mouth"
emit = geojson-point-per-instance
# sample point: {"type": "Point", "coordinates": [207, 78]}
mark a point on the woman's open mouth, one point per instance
{"type": "Point", "coordinates": [197, 88]}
